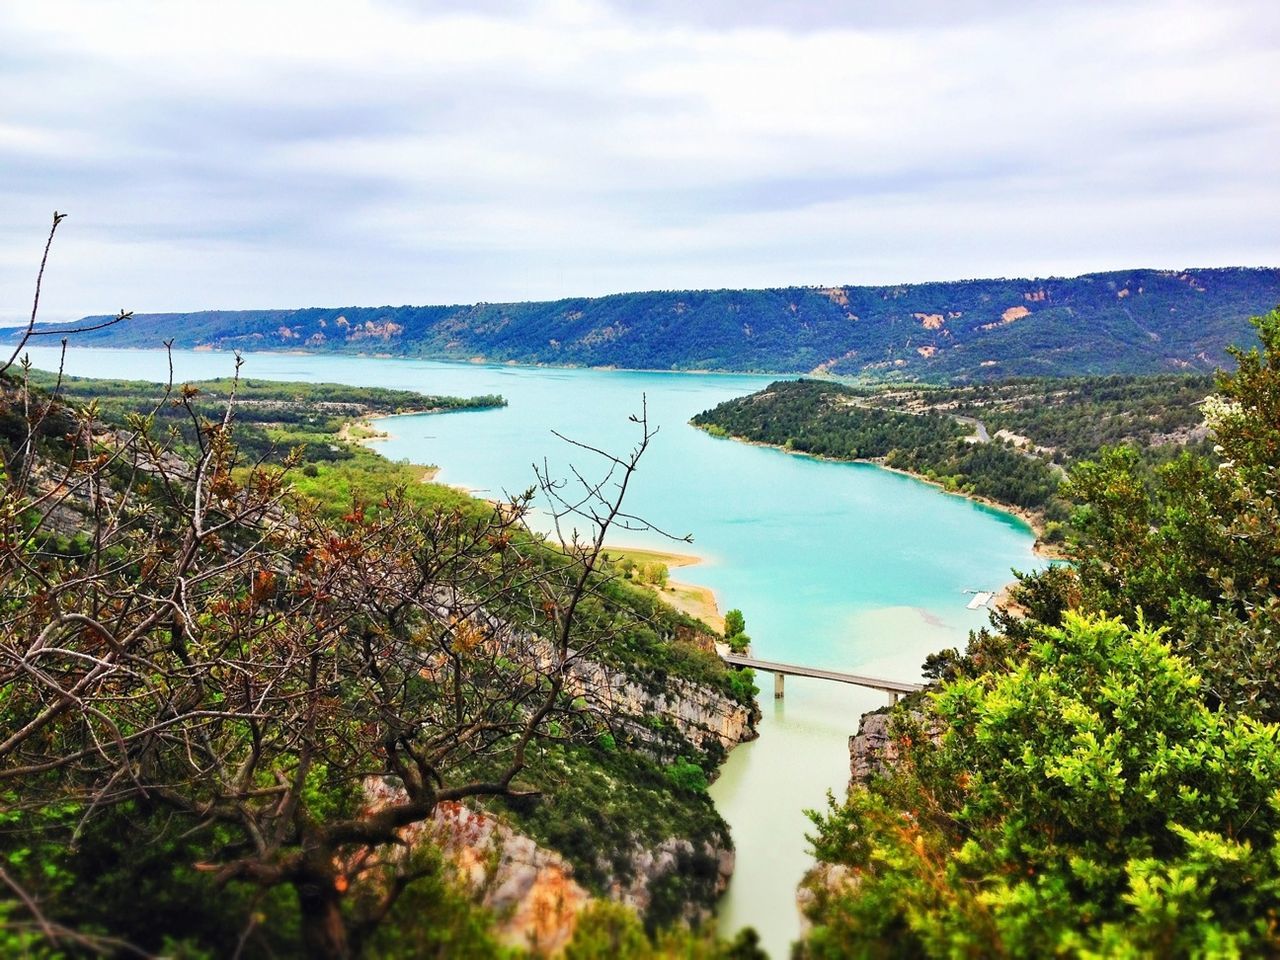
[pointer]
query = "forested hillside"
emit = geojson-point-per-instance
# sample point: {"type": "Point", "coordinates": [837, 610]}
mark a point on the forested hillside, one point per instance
{"type": "Point", "coordinates": [1134, 321]}
{"type": "Point", "coordinates": [1004, 441]}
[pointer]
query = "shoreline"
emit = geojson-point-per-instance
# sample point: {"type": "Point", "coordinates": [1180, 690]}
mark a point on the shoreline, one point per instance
{"type": "Point", "coordinates": [1029, 518]}
{"type": "Point", "coordinates": [471, 362]}
{"type": "Point", "coordinates": [691, 599]}
{"type": "Point", "coordinates": [696, 601]}
{"type": "Point", "coordinates": [671, 558]}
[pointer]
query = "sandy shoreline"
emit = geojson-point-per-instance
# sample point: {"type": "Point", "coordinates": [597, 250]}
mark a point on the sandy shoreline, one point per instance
{"type": "Point", "coordinates": [648, 555]}
{"type": "Point", "coordinates": [692, 599]}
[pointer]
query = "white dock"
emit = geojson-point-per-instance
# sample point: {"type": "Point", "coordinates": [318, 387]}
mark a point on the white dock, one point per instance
{"type": "Point", "coordinates": [980, 599]}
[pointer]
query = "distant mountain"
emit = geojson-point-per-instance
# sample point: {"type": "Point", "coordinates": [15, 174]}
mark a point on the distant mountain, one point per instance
{"type": "Point", "coordinates": [1133, 321]}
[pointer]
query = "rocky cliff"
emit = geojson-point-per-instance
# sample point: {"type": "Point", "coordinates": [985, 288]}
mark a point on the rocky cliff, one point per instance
{"type": "Point", "coordinates": [537, 892]}
{"type": "Point", "coordinates": [873, 749]}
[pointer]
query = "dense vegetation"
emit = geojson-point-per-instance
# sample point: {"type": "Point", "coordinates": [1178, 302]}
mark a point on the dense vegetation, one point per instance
{"type": "Point", "coordinates": [825, 419]}
{"type": "Point", "coordinates": [1134, 321]}
{"type": "Point", "coordinates": [272, 619]}
{"type": "Point", "coordinates": [1032, 425]}
{"type": "Point", "coordinates": [1072, 417]}
{"type": "Point", "coordinates": [1097, 775]}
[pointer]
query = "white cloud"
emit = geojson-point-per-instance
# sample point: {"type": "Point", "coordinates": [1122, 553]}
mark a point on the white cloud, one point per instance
{"type": "Point", "coordinates": [247, 154]}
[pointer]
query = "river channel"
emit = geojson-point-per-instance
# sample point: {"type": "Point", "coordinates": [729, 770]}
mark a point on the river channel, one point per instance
{"type": "Point", "coordinates": [846, 566]}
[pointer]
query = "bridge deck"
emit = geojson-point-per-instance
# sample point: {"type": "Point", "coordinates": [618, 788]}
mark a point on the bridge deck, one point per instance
{"type": "Point", "coordinates": [794, 670]}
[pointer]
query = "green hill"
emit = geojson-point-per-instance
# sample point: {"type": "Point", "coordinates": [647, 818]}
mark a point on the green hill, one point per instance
{"type": "Point", "coordinates": [1135, 321]}
{"type": "Point", "coordinates": [1004, 441]}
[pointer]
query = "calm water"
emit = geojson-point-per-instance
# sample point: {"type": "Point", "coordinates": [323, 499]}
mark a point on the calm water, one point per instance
{"type": "Point", "coordinates": [841, 565]}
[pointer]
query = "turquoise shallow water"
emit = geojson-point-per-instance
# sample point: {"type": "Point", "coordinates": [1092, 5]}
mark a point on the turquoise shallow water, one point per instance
{"type": "Point", "coordinates": [840, 565]}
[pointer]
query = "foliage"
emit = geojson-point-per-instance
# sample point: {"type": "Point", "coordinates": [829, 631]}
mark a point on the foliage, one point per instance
{"type": "Point", "coordinates": [735, 632]}
{"type": "Point", "coordinates": [1087, 801]}
{"type": "Point", "coordinates": [931, 431]}
{"type": "Point", "coordinates": [1073, 417]}
{"type": "Point", "coordinates": [1134, 321]}
{"type": "Point", "coordinates": [273, 418]}
{"type": "Point", "coordinates": [436, 918]}
{"type": "Point", "coordinates": [734, 623]}
{"type": "Point", "coordinates": [611, 932]}
{"type": "Point", "coordinates": [826, 419]}
{"type": "Point", "coordinates": [259, 658]}
{"type": "Point", "coordinates": [258, 400]}
{"type": "Point", "coordinates": [1193, 544]}
{"type": "Point", "coordinates": [1097, 774]}
{"type": "Point", "coordinates": [744, 683]}
{"type": "Point", "coordinates": [599, 807]}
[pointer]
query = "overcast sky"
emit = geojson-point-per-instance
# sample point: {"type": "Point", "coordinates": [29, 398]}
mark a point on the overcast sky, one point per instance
{"type": "Point", "coordinates": [245, 153]}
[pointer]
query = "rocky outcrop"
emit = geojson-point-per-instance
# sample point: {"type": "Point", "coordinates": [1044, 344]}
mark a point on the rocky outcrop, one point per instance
{"type": "Point", "coordinates": [697, 712]}
{"type": "Point", "coordinates": [701, 715]}
{"type": "Point", "coordinates": [529, 889]}
{"type": "Point", "coordinates": [876, 747]}
{"type": "Point", "coordinates": [674, 855]}
{"type": "Point", "coordinates": [872, 750]}
{"type": "Point", "coordinates": [532, 890]}
{"type": "Point", "coordinates": [822, 882]}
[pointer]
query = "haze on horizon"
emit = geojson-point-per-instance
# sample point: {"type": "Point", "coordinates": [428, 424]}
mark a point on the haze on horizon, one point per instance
{"type": "Point", "coordinates": [240, 155]}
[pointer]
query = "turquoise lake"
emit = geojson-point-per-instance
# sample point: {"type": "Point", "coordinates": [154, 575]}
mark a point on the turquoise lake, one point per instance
{"type": "Point", "coordinates": [839, 565]}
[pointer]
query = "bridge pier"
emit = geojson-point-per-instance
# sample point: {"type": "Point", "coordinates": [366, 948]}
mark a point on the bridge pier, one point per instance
{"type": "Point", "coordinates": [777, 685]}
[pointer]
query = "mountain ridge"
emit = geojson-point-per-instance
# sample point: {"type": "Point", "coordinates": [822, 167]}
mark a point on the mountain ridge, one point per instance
{"type": "Point", "coordinates": [1123, 321]}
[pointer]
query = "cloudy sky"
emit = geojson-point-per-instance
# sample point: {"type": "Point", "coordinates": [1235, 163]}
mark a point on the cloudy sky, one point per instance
{"type": "Point", "coordinates": [244, 153]}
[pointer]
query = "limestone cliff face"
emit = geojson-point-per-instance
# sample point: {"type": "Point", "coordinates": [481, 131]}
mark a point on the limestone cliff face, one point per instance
{"type": "Point", "coordinates": [872, 750]}
{"type": "Point", "coordinates": [703, 716]}
{"type": "Point", "coordinates": [672, 856]}
{"type": "Point", "coordinates": [875, 748]}
{"type": "Point", "coordinates": [699, 714]}
{"type": "Point", "coordinates": [821, 883]}
{"type": "Point", "coordinates": [530, 890]}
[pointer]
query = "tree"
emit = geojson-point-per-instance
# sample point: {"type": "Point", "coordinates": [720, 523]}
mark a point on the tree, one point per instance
{"type": "Point", "coordinates": [242, 663]}
{"type": "Point", "coordinates": [654, 573]}
{"type": "Point", "coordinates": [1193, 545]}
{"type": "Point", "coordinates": [734, 623]}
{"type": "Point", "coordinates": [1087, 801]}
{"type": "Point", "coordinates": [184, 639]}
{"type": "Point", "coordinates": [610, 931]}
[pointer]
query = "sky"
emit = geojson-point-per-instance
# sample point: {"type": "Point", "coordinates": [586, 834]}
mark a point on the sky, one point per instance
{"type": "Point", "coordinates": [290, 153]}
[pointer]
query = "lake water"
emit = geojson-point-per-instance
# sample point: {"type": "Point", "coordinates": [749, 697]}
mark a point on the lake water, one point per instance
{"type": "Point", "coordinates": [838, 565]}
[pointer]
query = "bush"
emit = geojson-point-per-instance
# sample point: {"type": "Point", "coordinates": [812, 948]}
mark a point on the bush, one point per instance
{"type": "Point", "coordinates": [1087, 801]}
{"type": "Point", "coordinates": [687, 775]}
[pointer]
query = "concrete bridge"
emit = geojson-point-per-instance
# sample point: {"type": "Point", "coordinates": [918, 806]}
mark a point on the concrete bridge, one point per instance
{"type": "Point", "coordinates": [895, 688]}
